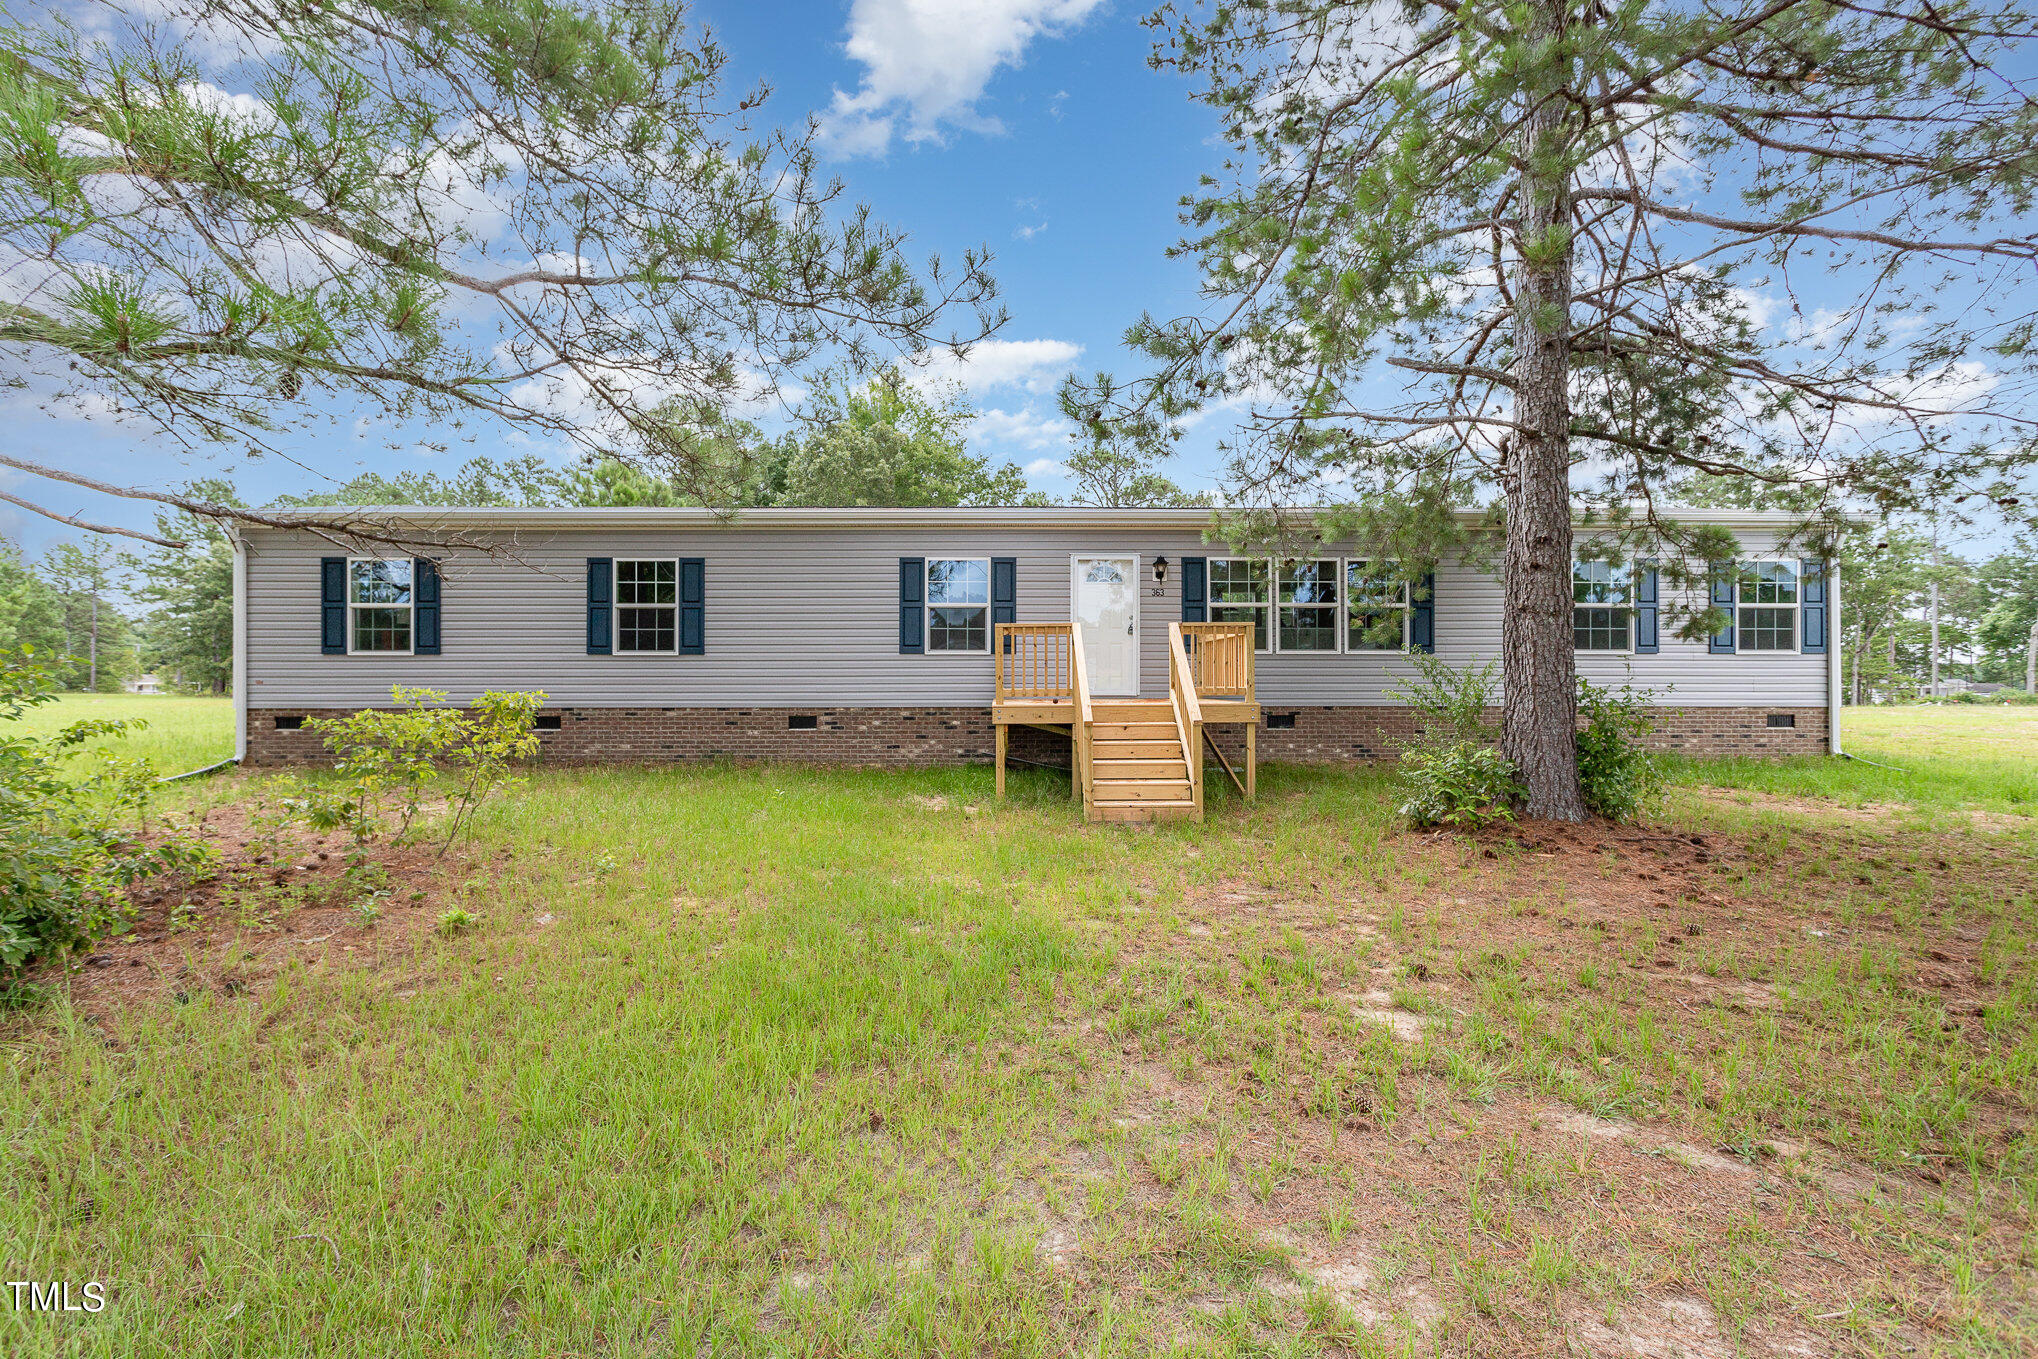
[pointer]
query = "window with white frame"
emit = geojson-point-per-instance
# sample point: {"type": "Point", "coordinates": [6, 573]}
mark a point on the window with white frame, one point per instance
{"type": "Point", "coordinates": [1308, 595]}
{"type": "Point", "coordinates": [1767, 602]}
{"type": "Point", "coordinates": [379, 600]}
{"type": "Point", "coordinates": [1602, 607]}
{"type": "Point", "coordinates": [1239, 593]}
{"type": "Point", "coordinates": [958, 604]}
{"type": "Point", "coordinates": [647, 605]}
{"type": "Point", "coordinates": [1376, 606]}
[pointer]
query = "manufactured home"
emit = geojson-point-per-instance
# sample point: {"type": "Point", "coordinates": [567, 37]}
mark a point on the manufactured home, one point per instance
{"type": "Point", "coordinates": [1120, 644]}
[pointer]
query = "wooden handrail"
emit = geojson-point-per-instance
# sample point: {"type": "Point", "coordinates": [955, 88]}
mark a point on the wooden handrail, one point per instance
{"type": "Point", "coordinates": [1079, 673]}
{"type": "Point", "coordinates": [1188, 711]}
{"type": "Point", "coordinates": [1033, 661]}
{"type": "Point", "coordinates": [1221, 658]}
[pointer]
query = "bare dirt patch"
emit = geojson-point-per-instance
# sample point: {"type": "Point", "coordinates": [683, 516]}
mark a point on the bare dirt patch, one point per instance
{"type": "Point", "coordinates": [277, 899]}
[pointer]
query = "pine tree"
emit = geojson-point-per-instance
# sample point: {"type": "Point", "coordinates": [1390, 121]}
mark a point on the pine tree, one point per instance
{"type": "Point", "coordinates": [1519, 250]}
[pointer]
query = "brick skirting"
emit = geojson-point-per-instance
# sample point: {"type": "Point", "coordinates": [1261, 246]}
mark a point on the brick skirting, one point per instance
{"type": "Point", "coordinates": [1343, 735]}
{"type": "Point", "coordinates": [929, 736]}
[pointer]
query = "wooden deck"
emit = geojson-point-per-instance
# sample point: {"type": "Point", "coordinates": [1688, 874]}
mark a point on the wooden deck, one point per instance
{"type": "Point", "coordinates": [1132, 759]}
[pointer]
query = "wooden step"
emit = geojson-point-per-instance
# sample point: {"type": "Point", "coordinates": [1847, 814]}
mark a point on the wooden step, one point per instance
{"type": "Point", "coordinates": [1132, 710]}
{"type": "Point", "coordinates": [1137, 731]}
{"type": "Point", "coordinates": [1144, 811]}
{"type": "Point", "coordinates": [1169, 766]}
{"type": "Point", "coordinates": [1140, 790]}
{"type": "Point", "coordinates": [1170, 749]}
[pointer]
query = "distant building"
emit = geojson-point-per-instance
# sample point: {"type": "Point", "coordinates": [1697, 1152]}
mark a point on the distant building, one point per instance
{"type": "Point", "coordinates": [144, 684]}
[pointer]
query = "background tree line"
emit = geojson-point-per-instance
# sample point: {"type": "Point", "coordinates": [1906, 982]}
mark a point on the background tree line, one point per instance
{"type": "Point", "coordinates": [112, 616]}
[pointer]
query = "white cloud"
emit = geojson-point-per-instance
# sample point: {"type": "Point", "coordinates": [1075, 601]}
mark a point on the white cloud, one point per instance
{"type": "Point", "coordinates": [1027, 233]}
{"type": "Point", "coordinates": [1025, 428]}
{"type": "Point", "coordinates": [926, 63]}
{"type": "Point", "coordinates": [1035, 365]}
{"type": "Point", "coordinates": [1046, 467]}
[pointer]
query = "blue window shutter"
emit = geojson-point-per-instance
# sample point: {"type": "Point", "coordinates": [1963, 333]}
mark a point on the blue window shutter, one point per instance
{"type": "Point", "coordinates": [693, 605]}
{"type": "Point", "coordinates": [332, 605]}
{"type": "Point", "coordinates": [601, 605]}
{"type": "Point", "coordinates": [424, 623]}
{"type": "Point", "coordinates": [1422, 614]}
{"type": "Point", "coordinates": [1812, 596]}
{"type": "Point", "coordinates": [1648, 640]}
{"type": "Point", "coordinates": [912, 605]}
{"type": "Point", "coordinates": [1004, 589]}
{"type": "Point", "coordinates": [1722, 643]}
{"type": "Point", "coordinates": [1195, 589]}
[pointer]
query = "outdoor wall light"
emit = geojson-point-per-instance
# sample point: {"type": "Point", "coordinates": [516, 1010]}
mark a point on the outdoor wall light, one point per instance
{"type": "Point", "coordinates": [1160, 570]}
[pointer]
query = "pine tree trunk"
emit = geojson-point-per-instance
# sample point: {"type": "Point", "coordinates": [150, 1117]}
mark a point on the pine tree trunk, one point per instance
{"type": "Point", "coordinates": [1539, 713]}
{"type": "Point", "coordinates": [2031, 660]}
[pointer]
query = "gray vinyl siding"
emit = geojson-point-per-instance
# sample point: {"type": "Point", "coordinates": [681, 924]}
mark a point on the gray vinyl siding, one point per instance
{"type": "Point", "coordinates": [808, 617]}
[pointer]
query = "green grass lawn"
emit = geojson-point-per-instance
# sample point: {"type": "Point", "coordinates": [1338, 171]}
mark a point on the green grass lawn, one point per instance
{"type": "Point", "coordinates": [180, 734]}
{"type": "Point", "coordinates": [779, 1061]}
{"type": "Point", "coordinates": [1927, 758]}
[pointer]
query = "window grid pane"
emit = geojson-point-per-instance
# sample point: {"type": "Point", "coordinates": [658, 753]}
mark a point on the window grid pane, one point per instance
{"type": "Point", "coordinates": [1376, 583]}
{"type": "Point", "coordinates": [647, 582]}
{"type": "Point", "coordinates": [1376, 604]}
{"type": "Point", "coordinates": [1376, 629]}
{"type": "Point", "coordinates": [385, 581]}
{"type": "Point", "coordinates": [1768, 629]}
{"type": "Point", "coordinates": [1768, 582]}
{"type": "Point", "coordinates": [647, 628]}
{"type": "Point", "coordinates": [958, 582]}
{"type": "Point", "coordinates": [1310, 628]}
{"type": "Point", "coordinates": [1238, 580]}
{"type": "Point", "coordinates": [1598, 583]}
{"type": "Point", "coordinates": [1599, 629]}
{"type": "Point", "coordinates": [1309, 582]}
{"type": "Point", "coordinates": [381, 629]}
{"type": "Point", "coordinates": [953, 629]}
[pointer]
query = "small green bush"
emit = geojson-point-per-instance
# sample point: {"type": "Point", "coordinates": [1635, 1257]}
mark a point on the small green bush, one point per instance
{"type": "Point", "coordinates": [393, 761]}
{"type": "Point", "coordinates": [1450, 774]}
{"type": "Point", "coordinates": [1621, 776]}
{"type": "Point", "coordinates": [1453, 703]}
{"type": "Point", "coordinates": [65, 851]}
{"type": "Point", "coordinates": [1461, 784]}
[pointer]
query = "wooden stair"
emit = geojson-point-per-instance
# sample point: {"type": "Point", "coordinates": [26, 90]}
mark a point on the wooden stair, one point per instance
{"type": "Point", "coordinates": [1138, 770]}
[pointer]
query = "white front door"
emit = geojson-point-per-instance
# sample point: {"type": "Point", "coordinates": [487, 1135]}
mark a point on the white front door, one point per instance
{"type": "Point", "coordinates": [1105, 605]}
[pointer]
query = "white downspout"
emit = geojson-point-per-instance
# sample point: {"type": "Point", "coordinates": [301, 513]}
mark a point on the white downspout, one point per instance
{"type": "Point", "coordinates": [1835, 652]}
{"type": "Point", "coordinates": [240, 670]}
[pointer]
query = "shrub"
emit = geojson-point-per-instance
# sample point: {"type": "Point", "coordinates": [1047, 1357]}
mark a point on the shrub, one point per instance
{"type": "Point", "coordinates": [64, 855]}
{"type": "Point", "coordinates": [1453, 702]}
{"type": "Point", "coordinates": [392, 761]}
{"type": "Point", "coordinates": [1621, 777]}
{"type": "Point", "coordinates": [1458, 783]}
{"type": "Point", "coordinates": [1450, 773]}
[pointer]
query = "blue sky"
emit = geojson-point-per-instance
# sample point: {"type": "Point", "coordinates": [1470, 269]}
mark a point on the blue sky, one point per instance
{"type": "Point", "coordinates": [1032, 127]}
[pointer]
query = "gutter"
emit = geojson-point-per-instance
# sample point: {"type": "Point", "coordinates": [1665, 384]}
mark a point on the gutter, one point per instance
{"type": "Point", "coordinates": [1017, 516]}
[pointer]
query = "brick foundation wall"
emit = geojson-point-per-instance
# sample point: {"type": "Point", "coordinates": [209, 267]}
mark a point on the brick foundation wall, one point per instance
{"type": "Point", "coordinates": [840, 736]}
{"type": "Point", "coordinates": [929, 736]}
{"type": "Point", "coordinates": [1339, 735]}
